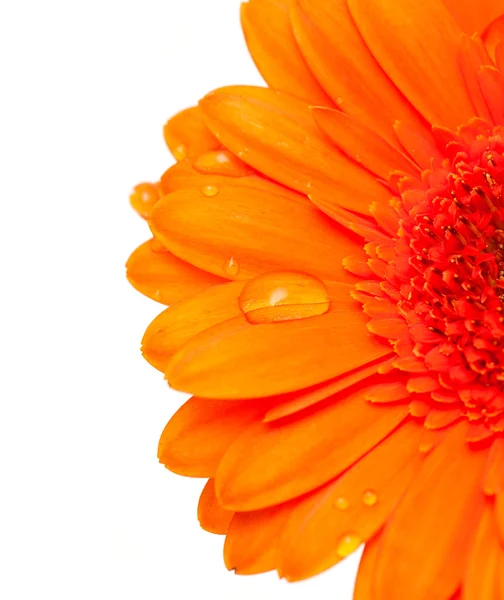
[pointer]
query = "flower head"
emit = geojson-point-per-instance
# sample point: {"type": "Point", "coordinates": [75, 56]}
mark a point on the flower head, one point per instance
{"type": "Point", "coordinates": [332, 251]}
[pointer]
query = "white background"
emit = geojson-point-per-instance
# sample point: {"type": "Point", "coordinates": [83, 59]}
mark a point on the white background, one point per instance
{"type": "Point", "coordinates": [86, 511]}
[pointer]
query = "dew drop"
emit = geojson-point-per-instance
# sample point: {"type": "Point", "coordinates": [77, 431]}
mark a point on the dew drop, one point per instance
{"type": "Point", "coordinates": [348, 544]}
{"type": "Point", "coordinates": [210, 190]}
{"type": "Point", "coordinates": [370, 498]}
{"type": "Point", "coordinates": [342, 503]}
{"type": "Point", "coordinates": [232, 267]}
{"type": "Point", "coordinates": [283, 296]}
{"type": "Point", "coordinates": [180, 152]}
{"type": "Point", "coordinates": [339, 100]}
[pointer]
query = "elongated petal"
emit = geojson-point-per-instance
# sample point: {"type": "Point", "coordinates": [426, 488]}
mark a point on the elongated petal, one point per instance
{"type": "Point", "coordinates": [177, 325]}
{"type": "Point", "coordinates": [242, 232]}
{"type": "Point", "coordinates": [350, 510]}
{"type": "Point", "coordinates": [160, 275]}
{"type": "Point", "coordinates": [364, 584]}
{"type": "Point", "coordinates": [272, 463]}
{"type": "Point", "coordinates": [494, 477]}
{"type": "Point", "coordinates": [361, 143]}
{"type": "Point", "coordinates": [417, 44]}
{"type": "Point", "coordinates": [187, 135]}
{"type": "Point", "coordinates": [267, 28]}
{"type": "Point", "coordinates": [211, 516]}
{"type": "Point", "coordinates": [475, 16]}
{"type": "Point", "coordinates": [341, 61]}
{"type": "Point", "coordinates": [480, 582]}
{"type": "Point", "coordinates": [492, 87]}
{"type": "Point", "coordinates": [276, 134]}
{"type": "Point", "coordinates": [473, 55]}
{"type": "Point", "coordinates": [199, 433]}
{"type": "Point", "coordinates": [433, 526]}
{"type": "Point", "coordinates": [494, 34]}
{"type": "Point", "coordinates": [238, 360]}
{"type": "Point", "coordinates": [252, 540]}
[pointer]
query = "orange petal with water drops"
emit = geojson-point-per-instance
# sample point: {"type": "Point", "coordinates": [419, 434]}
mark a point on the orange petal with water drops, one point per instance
{"type": "Point", "coordinates": [475, 16]}
{"type": "Point", "coordinates": [252, 540]}
{"type": "Point", "coordinates": [480, 581]}
{"type": "Point", "coordinates": [346, 68]}
{"type": "Point", "coordinates": [144, 197]}
{"type": "Point", "coordinates": [187, 135]}
{"type": "Point", "coordinates": [199, 433]}
{"type": "Point", "coordinates": [362, 144]}
{"type": "Point", "coordinates": [473, 55]}
{"type": "Point", "coordinates": [494, 35]}
{"type": "Point", "coordinates": [332, 522]}
{"type": "Point", "coordinates": [274, 462]}
{"type": "Point", "coordinates": [175, 326]}
{"type": "Point", "coordinates": [211, 516]}
{"type": "Point", "coordinates": [240, 232]}
{"type": "Point", "coordinates": [271, 43]}
{"type": "Point", "coordinates": [492, 87]}
{"type": "Point", "coordinates": [284, 296]}
{"type": "Point", "coordinates": [160, 275]}
{"type": "Point", "coordinates": [417, 45]}
{"type": "Point", "coordinates": [238, 360]}
{"type": "Point", "coordinates": [494, 477]}
{"type": "Point", "coordinates": [433, 527]}
{"type": "Point", "coordinates": [275, 133]}
{"type": "Point", "coordinates": [300, 400]}
{"type": "Point", "coordinates": [364, 583]}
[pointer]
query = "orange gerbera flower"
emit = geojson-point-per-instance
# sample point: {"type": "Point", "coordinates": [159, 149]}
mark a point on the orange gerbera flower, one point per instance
{"type": "Point", "coordinates": [332, 251]}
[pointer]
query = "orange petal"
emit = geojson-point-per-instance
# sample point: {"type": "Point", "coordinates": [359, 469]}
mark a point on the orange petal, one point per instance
{"type": "Point", "coordinates": [480, 582]}
{"type": "Point", "coordinates": [346, 68]}
{"type": "Point", "coordinates": [238, 360]}
{"type": "Point", "coordinates": [433, 527]}
{"type": "Point", "coordinates": [252, 540]}
{"type": "Point", "coordinates": [473, 55]}
{"type": "Point", "coordinates": [211, 516]}
{"type": "Point", "coordinates": [144, 197]}
{"type": "Point", "coordinates": [325, 526]}
{"type": "Point", "coordinates": [177, 325]}
{"type": "Point", "coordinates": [199, 433]}
{"type": "Point", "coordinates": [492, 87]}
{"type": "Point", "coordinates": [276, 134]}
{"type": "Point", "coordinates": [160, 275]}
{"type": "Point", "coordinates": [364, 584]}
{"type": "Point", "coordinates": [187, 135]}
{"type": "Point", "coordinates": [272, 463]}
{"type": "Point", "coordinates": [242, 232]}
{"type": "Point", "coordinates": [475, 16]}
{"type": "Point", "coordinates": [417, 44]}
{"type": "Point", "coordinates": [499, 514]}
{"type": "Point", "coordinates": [301, 400]}
{"type": "Point", "coordinates": [494, 35]}
{"type": "Point", "coordinates": [420, 146]}
{"type": "Point", "coordinates": [271, 43]}
{"type": "Point", "coordinates": [362, 144]}
{"type": "Point", "coordinates": [494, 478]}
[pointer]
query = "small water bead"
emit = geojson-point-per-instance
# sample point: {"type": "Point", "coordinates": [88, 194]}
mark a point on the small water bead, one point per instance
{"type": "Point", "coordinates": [210, 190]}
{"type": "Point", "coordinates": [283, 296]}
{"type": "Point", "coordinates": [180, 152]}
{"type": "Point", "coordinates": [370, 498]}
{"type": "Point", "coordinates": [342, 503]}
{"type": "Point", "coordinates": [221, 162]}
{"type": "Point", "coordinates": [348, 544]}
{"type": "Point", "coordinates": [231, 267]}
{"type": "Point", "coordinates": [144, 197]}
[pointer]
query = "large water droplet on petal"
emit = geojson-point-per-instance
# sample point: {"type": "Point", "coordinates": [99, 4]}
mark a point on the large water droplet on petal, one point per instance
{"type": "Point", "coordinates": [283, 296]}
{"type": "Point", "coordinates": [348, 544]}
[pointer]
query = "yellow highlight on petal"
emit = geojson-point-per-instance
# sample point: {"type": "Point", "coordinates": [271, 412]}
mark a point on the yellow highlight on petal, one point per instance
{"type": "Point", "coordinates": [283, 296]}
{"type": "Point", "coordinates": [348, 544]}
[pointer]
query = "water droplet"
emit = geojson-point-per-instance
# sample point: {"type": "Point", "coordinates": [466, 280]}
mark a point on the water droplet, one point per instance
{"type": "Point", "coordinates": [283, 296]}
{"type": "Point", "coordinates": [231, 268]}
{"type": "Point", "coordinates": [342, 503]}
{"type": "Point", "coordinates": [339, 100]}
{"type": "Point", "coordinates": [370, 498]}
{"type": "Point", "coordinates": [210, 190]}
{"type": "Point", "coordinates": [180, 152]}
{"type": "Point", "coordinates": [348, 544]}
